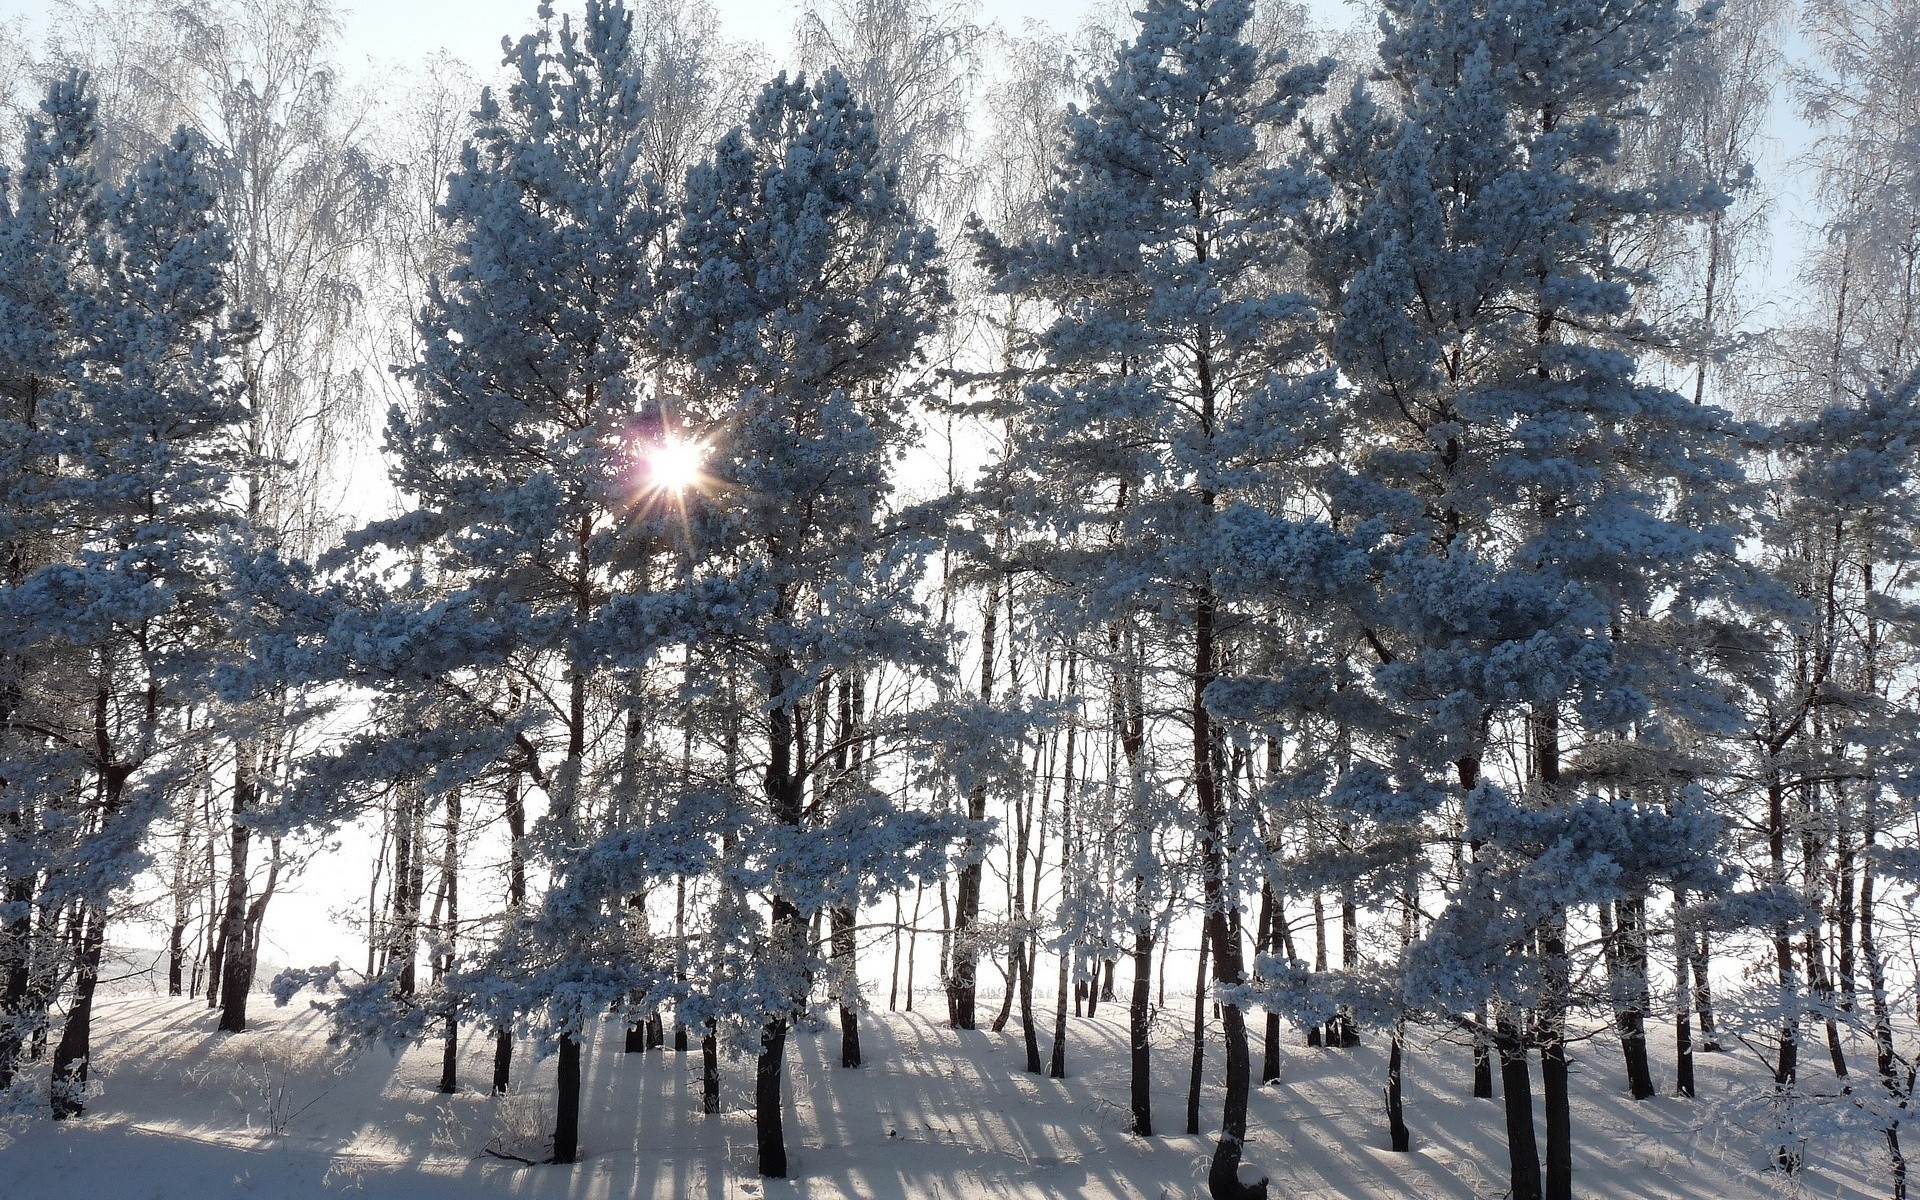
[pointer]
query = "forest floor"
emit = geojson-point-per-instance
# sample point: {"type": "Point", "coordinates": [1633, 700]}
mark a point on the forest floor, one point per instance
{"type": "Point", "coordinates": [935, 1115]}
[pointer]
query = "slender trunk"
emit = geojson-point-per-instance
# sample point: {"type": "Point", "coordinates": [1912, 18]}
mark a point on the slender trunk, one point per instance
{"type": "Point", "coordinates": [1396, 1113]}
{"type": "Point", "coordinates": [450, 931]}
{"type": "Point", "coordinates": [1550, 1013]}
{"type": "Point", "coordinates": [1029, 1033]}
{"type": "Point", "coordinates": [516, 814]}
{"type": "Point", "coordinates": [1057, 1064]}
{"type": "Point", "coordinates": [566, 1129]}
{"type": "Point", "coordinates": [1682, 999]}
{"type": "Point", "coordinates": [1198, 1068]}
{"type": "Point", "coordinates": [1626, 963]}
{"type": "Point", "coordinates": [236, 963]}
{"type": "Point", "coordinates": [1345, 1033]}
{"type": "Point", "coordinates": [1482, 1058]}
{"type": "Point", "coordinates": [1223, 1175]}
{"type": "Point", "coordinates": [1516, 1085]}
{"type": "Point", "coordinates": [1316, 1033]}
{"type": "Point", "coordinates": [16, 950]}
{"type": "Point", "coordinates": [1273, 918]}
{"type": "Point", "coordinates": [893, 984]}
{"type": "Point", "coordinates": [913, 940]}
{"type": "Point", "coordinates": [1897, 1083]}
{"type": "Point", "coordinates": [182, 904]}
{"type": "Point", "coordinates": [785, 797]}
{"type": "Point", "coordinates": [1553, 1071]}
{"type": "Point", "coordinates": [710, 1069]}
{"type": "Point", "coordinates": [963, 983]}
{"type": "Point", "coordinates": [846, 984]}
{"type": "Point", "coordinates": [1786, 1068]}
{"type": "Point", "coordinates": [1139, 1048]}
{"type": "Point", "coordinates": [1701, 951]}
{"type": "Point", "coordinates": [72, 1057]}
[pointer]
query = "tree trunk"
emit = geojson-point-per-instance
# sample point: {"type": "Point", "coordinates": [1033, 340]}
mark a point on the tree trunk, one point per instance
{"type": "Point", "coordinates": [450, 932]}
{"type": "Point", "coordinates": [963, 983]}
{"type": "Point", "coordinates": [1786, 1068]}
{"type": "Point", "coordinates": [1516, 1085]}
{"type": "Point", "coordinates": [1030, 1034]}
{"type": "Point", "coordinates": [1057, 1064]}
{"type": "Point", "coordinates": [1223, 1176]}
{"type": "Point", "coordinates": [1198, 1068]}
{"type": "Point", "coordinates": [1139, 1048]}
{"type": "Point", "coordinates": [785, 791]}
{"type": "Point", "coordinates": [1316, 1033]}
{"type": "Point", "coordinates": [1482, 1058]}
{"type": "Point", "coordinates": [1897, 1083]}
{"type": "Point", "coordinates": [72, 1057]}
{"type": "Point", "coordinates": [847, 986]}
{"type": "Point", "coordinates": [769, 1134]}
{"type": "Point", "coordinates": [566, 1127]}
{"type": "Point", "coordinates": [1272, 917]}
{"type": "Point", "coordinates": [709, 1069]}
{"type": "Point", "coordinates": [236, 964]}
{"type": "Point", "coordinates": [16, 951]}
{"type": "Point", "coordinates": [1625, 955]}
{"type": "Point", "coordinates": [516, 814]}
{"type": "Point", "coordinates": [1682, 999]}
{"type": "Point", "coordinates": [1396, 1113]}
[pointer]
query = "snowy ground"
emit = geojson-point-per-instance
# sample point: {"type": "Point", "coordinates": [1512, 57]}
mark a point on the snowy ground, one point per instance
{"type": "Point", "coordinates": [936, 1115]}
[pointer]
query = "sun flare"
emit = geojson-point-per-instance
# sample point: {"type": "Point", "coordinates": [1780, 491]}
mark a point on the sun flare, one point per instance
{"type": "Point", "coordinates": [673, 465]}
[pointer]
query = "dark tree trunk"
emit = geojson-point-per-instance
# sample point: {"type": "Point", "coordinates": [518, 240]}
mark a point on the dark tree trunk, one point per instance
{"type": "Point", "coordinates": [963, 984]}
{"type": "Point", "coordinates": [709, 1069]}
{"type": "Point", "coordinates": [769, 1134]}
{"type": "Point", "coordinates": [1553, 1088]}
{"type": "Point", "coordinates": [502, 1061]}
{"type": "Point", "coordinates": [1396, 1113]}
{"type": "Point", "coordinates": [516, 814]}
{"type": "Point", "coordinates": [785, 791]}
{"type": "Point", "coordinates": [236, 963]}
{"type": "Point", "coordinates": [1482, 1058]}
{"type": "Point", "coordinates": [1139, 1048]}
{"type": "Point", "coordinates": [72, 1056]}
{"type": "Point", "coordinates": [1683, 999]}
{"type": "Point", "coordinates": [16, 951]}
{"type": "Point", "coordinates": [450, 884]}
{"type": "Point", "coordinates": [1223, 1175]}
{"type": "Point", "coordinates": [1057, 1063]}
{"type": "Point", "coordinates": [1273, 919]}
{"type": "Point", "coordinates": [1344, 1033]}
{"type": "Point", "coordinates": [1197, 1070]}
{"type": "Point", "coordinates": [1625, 956]}
{"type": "Point", "coordinates": [843, 953]}
{"type": "Point", "coordinates": [1316, 1033]}
{"type": "Point", "coordinates": [1029, 1033]}
{"type": "Point", "coordinates": [1898, 1083]}
{"type": "Point", "coordinates": [1550, 1017]}
{"type": "Point", "coordinates": [1787, 1066]}
{"type": "Point", "coordinates": [1703, 990]}
{"type": "Point", "coordinates": [1516, 1084]}
{"type": "Point", "coordinates": [566, 1127]}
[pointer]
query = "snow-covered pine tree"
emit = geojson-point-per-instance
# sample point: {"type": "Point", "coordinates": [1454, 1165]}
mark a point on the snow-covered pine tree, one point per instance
{"type": "Point", "coordinates": [803, 289]}
{"type": "Point", "coordinates": [531, 508]}
{"type": "Point", "coordinates": [52, 207]}
{"type": "Point", "coordinates": [1167, 370]}
{"type": "Point", "coordinates": [124, 456]}
{"type": "Point", "coordinates": [1538, 501]}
